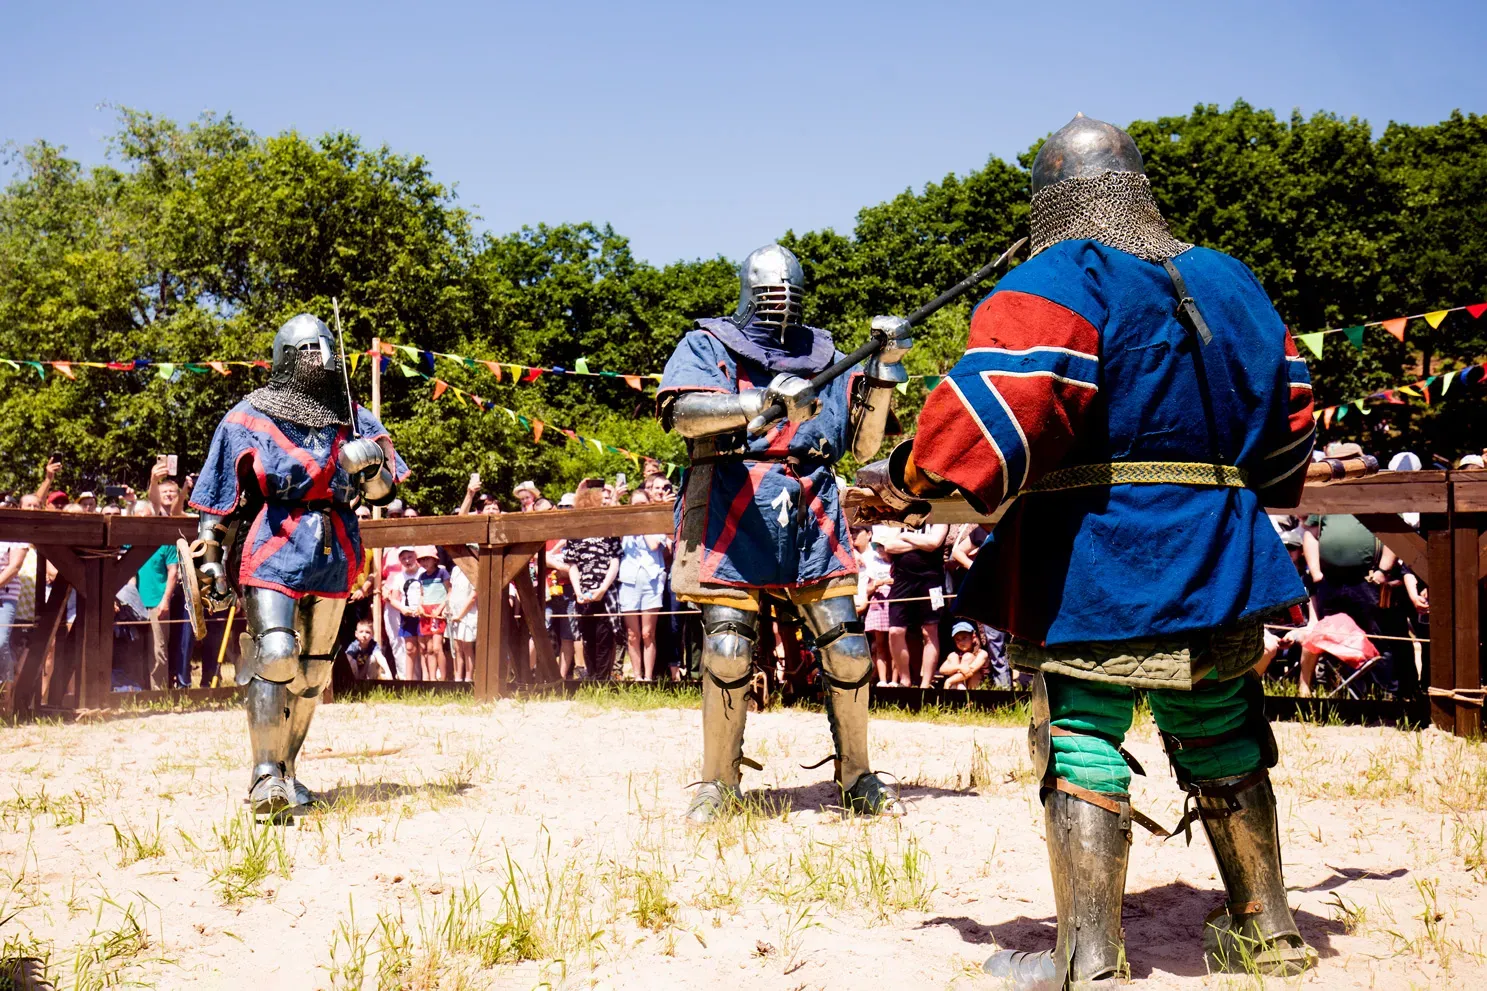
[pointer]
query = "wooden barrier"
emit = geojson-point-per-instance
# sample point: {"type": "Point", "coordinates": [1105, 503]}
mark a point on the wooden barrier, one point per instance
{"type": "Point", "coordinates": [66, 671]}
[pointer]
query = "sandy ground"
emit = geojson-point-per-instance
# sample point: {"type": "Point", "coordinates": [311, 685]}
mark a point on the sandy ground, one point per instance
{"type": "Point", "coordinates": [524, 843]}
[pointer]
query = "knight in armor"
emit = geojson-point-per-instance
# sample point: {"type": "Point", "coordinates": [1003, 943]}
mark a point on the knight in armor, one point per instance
{"type": "Point", "coordinates": [1143, 402]}
{"type": "Point", "coordinates": [278, 533]}
{"type": "Point", "coordinates": [761, 513]}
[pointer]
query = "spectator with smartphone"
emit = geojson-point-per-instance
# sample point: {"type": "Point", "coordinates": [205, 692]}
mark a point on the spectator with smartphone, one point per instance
{"type": "Point", "coordinates": [156, 580]}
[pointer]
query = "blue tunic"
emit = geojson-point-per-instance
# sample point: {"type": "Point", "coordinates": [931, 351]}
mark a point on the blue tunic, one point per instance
{"type": "Point", "coordinates": [1077, 358]}
{"type": "Point", "coordinates": [287, 547]}
{"type": "Point", "coordinates": [769, 524]}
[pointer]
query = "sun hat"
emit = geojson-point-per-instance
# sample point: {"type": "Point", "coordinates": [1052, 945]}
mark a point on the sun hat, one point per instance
{"type": "Point", "coordinates": [566, 502]}
{"type": "Point", "coordinates": [962, 626]}
{"type": "Point", "coordinates": [427, 550]}
{"type": "Point", "coordinates": [1404, 461]}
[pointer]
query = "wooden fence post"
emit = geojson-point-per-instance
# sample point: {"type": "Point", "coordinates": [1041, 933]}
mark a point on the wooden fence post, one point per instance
{"type": "Point", "coordinates": [1442, 673]}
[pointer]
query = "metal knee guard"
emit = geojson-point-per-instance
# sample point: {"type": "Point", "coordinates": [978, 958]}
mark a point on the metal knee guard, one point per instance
{"type": "Point", "coordinates": [846, 667]}
{"type": "Point", "coordinates": [727, 667]}
{"type": "Point", "coordinates": [1088, 850]}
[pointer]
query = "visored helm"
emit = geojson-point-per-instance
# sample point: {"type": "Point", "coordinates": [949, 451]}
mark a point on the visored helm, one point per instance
{"type": "Point", "coordinates": [771, 289]}
{"type": "Point", "coordinates": [304, 333]}
{"type": "Point", "coordinates": [1083, 148]}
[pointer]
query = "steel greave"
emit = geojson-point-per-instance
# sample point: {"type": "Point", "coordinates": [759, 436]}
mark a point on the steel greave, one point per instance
{"type": "Point", "coordinates": [268, 728]}
{"type": "Point", "coordinates": [727, 660]}
{"type": "Point", "coordinates": [1257, 921]}
{"type": "Point", "coordinates": [846, 661]}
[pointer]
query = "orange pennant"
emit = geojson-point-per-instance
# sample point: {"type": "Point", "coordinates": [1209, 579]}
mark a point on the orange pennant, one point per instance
{"type": "Point", "coordinates": [439, 386]}
{"type": "Point", "coordinates": [633, 381]}
{"type": "Point", "coordinates": [1327, 416]}
{"type": "Point", "coordinates": [495, 368]}
{"type": "Point", "coordinates": [537, 426]}
{"type": "Point", "coordinates": [387, 348]}
{"type": "Point", "coordinates": [65, 367]}
{"type": "Point", "coordinates": [219, 367]}
{"type": "Point", "coordinates": [1396, 326]}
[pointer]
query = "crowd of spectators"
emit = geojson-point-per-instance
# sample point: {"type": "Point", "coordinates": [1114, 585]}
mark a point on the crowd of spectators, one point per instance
{"type": "Point", "coordinates": [609, 611]}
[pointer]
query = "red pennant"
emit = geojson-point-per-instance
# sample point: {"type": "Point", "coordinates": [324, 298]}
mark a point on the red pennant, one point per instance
{"type": "Point", "coordinates": [261, 364]}
{"type": "Point", "coordinates": [533, 374]}
{"type": "Point", "coordinates": [1396, 326]}
{"type": "Point", "coordinates": [439, 386]}
{"type": "Point", "coordinates": [1477, 309]}
{"type": "Point", "coordinates": [121, 366]}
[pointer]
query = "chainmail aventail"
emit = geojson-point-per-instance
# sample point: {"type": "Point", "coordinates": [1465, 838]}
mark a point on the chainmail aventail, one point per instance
{"type": "Point", "coordinates": [305, 392]}
{"type": "Point", "coordinates": [1114, 208]}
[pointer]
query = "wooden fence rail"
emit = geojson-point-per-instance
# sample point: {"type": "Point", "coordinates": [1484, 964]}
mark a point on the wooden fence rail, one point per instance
{"type": "Point", "coordinates": [63, 673]}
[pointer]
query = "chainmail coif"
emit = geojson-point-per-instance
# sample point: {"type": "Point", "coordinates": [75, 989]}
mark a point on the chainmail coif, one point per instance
{"type": "Point", "coordinates": [306, 393]}
{"type": "Point", "coordinates": [1114, 208]}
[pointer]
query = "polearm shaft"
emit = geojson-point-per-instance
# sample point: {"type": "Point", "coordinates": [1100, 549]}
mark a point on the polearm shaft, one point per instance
{"type": "Point", "coordinates": [878, 341]}
{"type": "Point", "coordinates": [345, 374]}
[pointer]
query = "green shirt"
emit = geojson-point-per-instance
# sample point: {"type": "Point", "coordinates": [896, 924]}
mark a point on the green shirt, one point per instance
{"type": "Point", "coordinates": [1345, 543]}
{"type": "Point", "coordinates": [151, 579]}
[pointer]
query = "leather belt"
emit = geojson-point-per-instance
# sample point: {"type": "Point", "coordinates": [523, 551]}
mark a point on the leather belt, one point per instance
{"type": "Point", "coordinates": [1141, 473]}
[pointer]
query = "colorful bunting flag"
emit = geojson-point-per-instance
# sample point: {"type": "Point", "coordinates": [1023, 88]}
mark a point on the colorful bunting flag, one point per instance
{"type": "Point", "coordinates": [1395, 326]}
{"type": "Point", "coordinates": [537, 426]}
{"type": "Point", "coordinates": [1313, 341]}
{"type": "Point", "coordinates": [1446, 383]}
{"type": "Point", "coordinates": [581, 366]}
{"type": "Point", "coordinates": [220, 367]}
{"type": "Point", "coordinates": [165, 369]}
{"type": "Point", "coordinates": [1355, 336]}
{"type": "Point", "coordinates": [65, 367]}
{"type": "Point", "coordinates": [440, 386]}
{"type": "Point", "coordinates": [1477, 309]}
{"type": "Point", "coordinates": [633, 381]}
{"type": "Point", "coordinates": [1434, 319]}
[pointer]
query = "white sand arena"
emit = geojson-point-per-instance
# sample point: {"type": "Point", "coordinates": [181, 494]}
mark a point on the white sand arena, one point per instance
{"type": "Point", "coordinates": [529, 843]}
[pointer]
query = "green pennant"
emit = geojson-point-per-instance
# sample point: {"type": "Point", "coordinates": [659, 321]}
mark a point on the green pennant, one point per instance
{"type": "Point", "coordinates": [581, 366]}
{"type": "Point", "coordinates": [408, 349]}
{"type": "Point", "coordinates": [12, 364]}
{"type": "Point", "coordinates": [165, 370]}
{"type": "Point", "coordinates": [468, 363]}
{"type": "Point", "coordinates": [1355, 336]}
{"type": "Point", "coordinates": [40, 368]}
{"type": "Point", "coordinates": [194, 368]}
{"type": "Point", "coordinates": [930, 381]}
{"type": "Point", "coordinates": [409, 371]}
{"type": "Point", "coordinates": [903, 387]}
{"type": "Point", "coordinates": [1313, 341]}
{"type": "Point", "coordinates": [1342, 411]}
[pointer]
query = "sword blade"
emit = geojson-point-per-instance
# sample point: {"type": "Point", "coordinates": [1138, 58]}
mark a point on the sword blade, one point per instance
{"type": "Point", "coordinates": [345, 374]}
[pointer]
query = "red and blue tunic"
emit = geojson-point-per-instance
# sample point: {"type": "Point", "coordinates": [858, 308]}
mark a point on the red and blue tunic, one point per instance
{"type": "Point", "coordinates": [771, 523]}
{"type": "Point", "coordinates": [301, 490]}
{"type": "Point", "coordinates": [1078, 358]}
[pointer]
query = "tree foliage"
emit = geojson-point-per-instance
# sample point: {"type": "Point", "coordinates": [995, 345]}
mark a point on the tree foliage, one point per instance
{"type": "Point", "coordinates": [196, 241]}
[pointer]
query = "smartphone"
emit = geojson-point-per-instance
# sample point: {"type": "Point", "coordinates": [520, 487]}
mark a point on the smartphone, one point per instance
{"type": "Point", "coordinates": [619, 480]}
{"type": "Point", "coordinates": [114, 491]}
{"type": "Point", "coordinates": [474, 479]}
{"type": "Point", "coordinates": [172, 465]}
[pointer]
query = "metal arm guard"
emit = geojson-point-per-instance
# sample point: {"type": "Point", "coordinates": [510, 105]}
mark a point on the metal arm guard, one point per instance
{"type": "Point", "coordinates": [706, 414]}
{"type": "Point", "coordinates": [872, 403]}
{"type": "Point", "coordinates": [379, 489]}
{"type": "Point", "coordinates": [211, 530]}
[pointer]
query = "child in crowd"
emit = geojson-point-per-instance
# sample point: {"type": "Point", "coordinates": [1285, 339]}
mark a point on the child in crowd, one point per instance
{"type": "Point", "coordinates": [433, 607]}
{"type": "Point", "coordinates": [404, 593]}
{"type": "Point", "coordinates": [463, 620]}
{"type": "Point", "coordinates": [365, 655]}
{"type": "Point", "coordinates": [966, 665]}
{"type": "Point", "coordinates": [874, 586]}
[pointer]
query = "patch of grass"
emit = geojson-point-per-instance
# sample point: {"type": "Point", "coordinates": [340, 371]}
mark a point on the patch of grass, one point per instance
{"type": "Point", "coordinates": [65, 810]}
{"type": "Point", "coordinates": [134, 847]}
{"type": "Point", "coordinates": [348, 953]}
{"type": "Point", "coordinates": [1015, 715]}
{"type": "Point", "coordinates": [246, 852]}
{"type": "Point", "coordinates": [101, 960]}
{"type": "Point", "coordinates": [382, 695]}
{"type": "Point", "coordinates": [855, 874]}
{"type": "Point", "coordinates": [637, 697]}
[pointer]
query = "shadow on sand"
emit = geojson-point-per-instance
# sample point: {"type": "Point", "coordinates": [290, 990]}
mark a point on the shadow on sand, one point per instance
{"type": "Point", "coordinates": [1164, 930]}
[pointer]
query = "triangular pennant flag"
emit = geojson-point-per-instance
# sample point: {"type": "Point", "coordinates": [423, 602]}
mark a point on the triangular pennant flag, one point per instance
{"type": "Point", "coordinates": [903, 387]}
{"type": "Point", "coordinates": [355, 361]}
{"type": "Point", "coordinates": [930, 381]}
{"type": "Point", "coordinates": [194, 368]}
{"type": "Point", "coordinates": [1342, 411]}
{"type": "Point", "coordinates": [581, 366]}
{"type": "Point", "coordinates": [1434, 319]}
{"type": "Point", "coordinates": [1313, 341]}
{"type": "Point", "coordinates": [525, 423]}
{"type": "Point", "coordinates": [1327, 415]}
{"type": "Point", "coordinates": [1409, 390]}
{"type": "Point", "coordinates": [117, 366]}
{"type": "Point", "coordinates": [1361, 408]}
{"type": "Point", "coordinates": [1396, 326]}
{"type": "Point", "coordinates": [495, 368]}
{"type": "Point", "coordinates": [598, 445]}
{"type": "Point", "coordinates": [260, 364]}
{"type": "Point", "coordinates": [220, 367]}
{"type": "Point", "coordinates": [1425, 388]}
{"type": "Point", "coordinates": [409, 371]}
{"type": "Point", "coordinates": [1355, 336]}
{"type": "Point", "coordinates": [165, 369]}
{"type": "Point", "coordinates": [516, 371]}
{"type": "Point", "coordinates": [387, 348]}
{"type": "Point", "coordinates": [145, 363]}
{"type": "Point", "coordinates": [65, 367]}
{"type": "Point", "coordinates": [409, 350]}
{"type": "Point", "coordinates": [427, 357]}
{"type": "Point", "coordinates": [608, 375]}
{"type": "Point", "coordinates": [559, 370]}
{"type": "Point", "coordinates": [439, 387]}
{"type": "Point", "coordinates": [533, 374]}
{"type": "Point", "coordinates": [1446, 382]}
{"type": "Point", "coordinates": [467, 362]}
{"type": "Point", "coordinates": [1477, 309]}
{"type": "Point", "coordinates": [537, 426]}
{"type": "Point", "coordinates": [386, 363]}
{"type": "Point", "coordinates": [633, 381]}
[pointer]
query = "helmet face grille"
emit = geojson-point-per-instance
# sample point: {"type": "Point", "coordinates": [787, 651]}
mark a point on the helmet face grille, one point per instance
{"type": "Point", "coordinates": [779, 306]}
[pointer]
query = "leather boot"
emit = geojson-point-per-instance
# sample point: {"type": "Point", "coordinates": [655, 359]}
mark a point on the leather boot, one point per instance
{"type": "Point", "coordinates": [1088, 848]}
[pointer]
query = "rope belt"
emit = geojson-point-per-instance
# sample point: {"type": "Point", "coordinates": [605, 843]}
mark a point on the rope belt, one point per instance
{"type": "Point", "coordinates": [1141, 473]}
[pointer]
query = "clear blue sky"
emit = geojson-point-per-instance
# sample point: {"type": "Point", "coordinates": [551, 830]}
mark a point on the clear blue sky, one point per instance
{"type": "Point", "coordinates": [700, 129]}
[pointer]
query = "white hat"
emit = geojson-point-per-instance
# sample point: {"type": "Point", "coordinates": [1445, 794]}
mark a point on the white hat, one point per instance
{"type": "Point", "coordinates": [1404, 461]}
{"type": "Point", "coordinates": [567, 501]}
{"type": "Point", "coordinates": [529, 486]}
